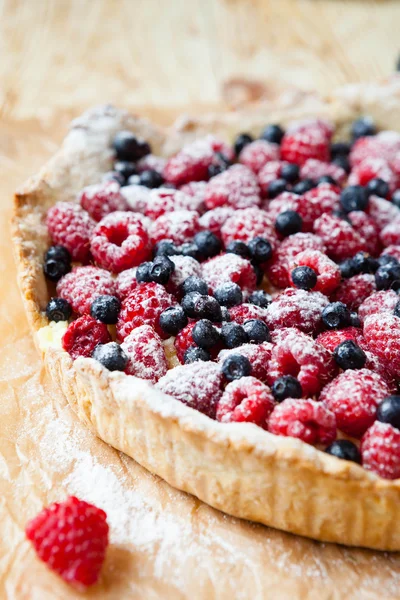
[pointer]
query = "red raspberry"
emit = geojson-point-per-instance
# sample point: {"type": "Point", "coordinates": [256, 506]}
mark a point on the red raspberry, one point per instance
{"type": "Point", "coordinates": [236, 187]}
{"type": "Point", "coordinates": [196, 190]}
{"type": "Point", "coordinates": [248, 223]}
{"type": "Point", "coordinates": [71, 226]}
{"type": "Point", "coordinates": [340, 239]}
{"type": "Point", "coordinates": [314, 169]}
{"type": "Point", "coordinates": [120, 241]}
{"type": "Point", "coordinates": [373, 363]}
{"type": "Point", "coordinates": [83, 285]}
{"type": "Point", "coordinates": [373, 168]}
{"type": "Point", "coordinates": [185, 266]}
{"type": "Point", "coordinates": [390, 234]}
{"type": "Point", "coordinates": [307, 420]}
{"type": "Point", "coordinates": [179, 226]}
{"type": "Point", "coordinates": [278, 268]}
{"type": "Point", "coordinates": [324, 127]}
{"type": "Point", "coordinates": [137, 197]}
{"type": "Point", "coordinates": [382, 211]}
{"type": "Point", "coordinates": [331, 339]}
{"type": "Point", "coordinates": [229, 267]}
{"type": "Point", "coordinates": [258, 354]}
{"type": "Point", "coordinates": [143, 307]}
{"type": "Point", "coordinates": [380, 450]}
{"type": "Point", "coordinates": [199, 385]}
{"type": "Point", "coordinates": [258, 153]}
{"type": "Point", "coordinates": [71, 537]}
{"type": "Point", "coordinates": [184, 341]}
{"type": "Point", "coordinates": [328, 273]}
{"type": "Point", "coordinates": [355, 290]}
{"type": "Point", "coordinates": [301, 145]}
{"type": "Point", "coordinates": [83, 335]}
{"type": "Point", "coordinates": [145, 353]}
{"type": "Point", "coordinates": [270, 172]}
{"type": "Point", "coordinates": [367, 229]}
{"type": "Point", "coordinates": [283, 202]}
{"type": "Point", "coordinates": [297, 354]}
{"type": "Point", "coordinates": [191, 163]}
{"type": "Point", "coordinates": [102, 198]}
{"type": "Point", "coordinates": [379, 302]}
{"type": "Point", "coordinates": [353, 396]}
{"type": "Point", "coordinates": [150, 161]}
{"type": "Point", "coordinates": [215, 218]}
{"type": "Point", "coordinates": [310, 206]}
{"type": "Point", "coordinates": [297, 308]}
{"type": "Point", "coordinates": [382, 334]}
{"type": "Point", "coordinates": [246, 400]}
{"type": "Point", "coordinates": [164, 200]}
{"type": "Point", "coordinates": [245, 312]}
{"type": "Point", "coordinates": [384, 145]}
{"type": "Point", "coordinates": [125, 283]}
{"type": "Point", "coordinates": [221, 147]}
{"type": "Point", "coordinates": [392, 251]}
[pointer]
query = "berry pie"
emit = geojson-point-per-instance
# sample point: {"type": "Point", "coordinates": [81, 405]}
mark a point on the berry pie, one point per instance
{"type": "Point", "coordinates": [220, 301]}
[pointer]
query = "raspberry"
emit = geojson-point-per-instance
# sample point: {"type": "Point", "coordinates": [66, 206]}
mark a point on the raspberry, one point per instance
{"type": "Point", "coordinates": [278, 268]}
{"type": "Point", "coordinates": [384, 145]}
{"type": "Point", "coordinates": [150, 161]}
{"type": "Point", "coordinates": [323, 126]}
{"type": "Point", "coordinates": [191, 163]}
{"type": "Point", "coordinates": [164, 200]}
{"type": "Point", "coordinates": [125, 283]}
{"type": "Point", "coordinates": [258, 354]}
{"type": "Point", "coordinates": [379, 302]}
{"type": "Point", "coordinates": [353, 396]}
{"type": "Point", "coordinates": [71, 226]}
{"type": "Point", "coordinates": [328, 273]}
{"type": "Point", "coordinates": [185, 266]}
{"type": "Point", "coordinates": [71, 537]}
{"type": "Point", "coordinates": [331, 339]}
{"type": "Point", "coordinates": [248, 223]}
{"type": "Point", "coordinates": [382, 211]}
{"type": "Point", "coordinates": [145, 353]}
{"type": "Point", "coordinates": [380, 450]}
{"type": "Point", "coordinates": [179, 226]}
{"type": "Point", "coordinates": [340, 239]}
{"type": "Point", "coordinates": [306, 420]}
{"type": "Point", "coordinates": [101, 199]}
{"type": "Point", "coordinates": [258, 153]}
{"type": "Point", "coordinates": [246, 400]}
{"type": "Point", "coordinates": [301, 145]}
{"type": "Point", "coordinates": [236, 187]}
{"type": "Point", "coordinates": [355, 290]}
{"type": "Point", "coordinates": [184, 341]}
{"type": "Point", "coordinates": [120, 241]}
{"type": "Point", "coordinates": [390, 234]}
{"type": "Point", "coordinates": [382, 334]}
{"type": "Point", "coordinates": [270, 172]}
{"type": "Point", "coordinates": [213, 219]}
{"type": "Point", "coordinates": [367, 229]}
{"type": "Point", "coordinates": [83, 335]}
{"type": "Point", "coordinates": [229, 267]}
{"type": "Point", "coordinates": [143, 307]}
{"type": "Point", "coordinates": [196, 190]}
{"type": "Point", "coordinates": [373, 168]}
{"type": "Point", "coordinates": [136, 196]}
{"type": "Point", "coordinates": [83, 285]}
{"type": "Point", "coordinates": [245, 312]}
{"type": "Point", "coordinates": [314, 169]}
{"type": "Point", "coordinates": [392, 251]}
{"type": "Point", "coordinates": [297, 354]}
{"type": "Point", "coordinates": [297, 308]}
{"type": "Point", "coordinates": [283, 202]}
{"type": "Point", "coordinates": [198, 385]}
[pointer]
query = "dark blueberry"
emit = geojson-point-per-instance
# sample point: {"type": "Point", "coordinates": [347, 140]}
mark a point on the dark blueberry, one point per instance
{"type": "Point", "coordinates": [303, 186]}
{"type": "Point", "coordinates": [133, 180]}
{"type": "Point", "coordinates": [336, 316]}
{"type": "Point", "coordinates": [161, 269]}
{"type": "Point", "coordinates": [190, 249]}
{"type": "Point", "coordinates": [188, 304]}
{"type": "Point", "coordinates": [106, 309]}
{"type": "Point", "coordinates": [229, 294]}
{"type": "Point", "coordinates": [362, 127]}
{"type": "Point", "coordinates": [214, 170]}
{"type": "Point", "coordinates": [225, 315]}
{"type": "Point", "coordinates": [205, 334]}
{"type": "Point", "coordinates": [236, 366]}
{"type": "Point", "coordinates": [348, 355]}
{"type": "Point", "coordinates": [345, 450]}
{"type": "Point", "coordinates": [304, 278]}
{"type": "Point", "coordinates": [208, 243]}
{"type": "Point", "coordinates": [241, 141]}
{"type": "Point", "coordinates": [378, 187]}
{"type": "Point", "coordinates": [340, 149]}
{"type": "Point", "coordinates": [111, 356]}
{"type": "Point", "coordinates": [55, 269]}
{"type": "Point", "coordinates": [290, 172]}
{"type": "Point", "coordinates": [193, 354]}
{"type": "Point", "coordinates": [286, 386]}
{"type": "Point", "coordinates": [396, 198]}
{"type": "Point", "coordinates": [143, 272]}
{"type": "Point", "coordinates": [114, 176]}
{"type": "Point", "coordinates": [364, 263]}
{"type": "Point", "coordinates": [256, 331]}
{"type": "Point", "coordinates": [200, 306]}
{"type": "Point", "coordinates": [194, 284]}
{"type": "Point", "coordinates": [233, 335]}
{"type": "Point", "coordinates": [260, 298]}
{"type": "Point", "coordinates": [239, 248]}
{"type": "Point", "coordinates": [354, 197]}
{"type": "Point", "coordinates": [125, 168]}
{"type": "Point", "coordinates": [326, 179]}
{"type": "Point", "coordinates": [389, 411]}
{"type": "Point", "coordinates": [388, 277]}
{"type": "Point", "coordinates": [387, 259]}
{"type": "Point", "coordinates": [355, 320]}
{"type": "Point", "coordinates": [129, 147]}
{"type": "Point", "coordinates": [259, 273]}
{"type": "Point", "coordinates": [347, 268]}
{"type": "Point", "coordinates": [58, 253]}
{"type": "Point", "coordinates": [397, 309]}
{"type": "Point", "coordinates": [273, 134]}
{"type": "Point", "coordinates": [58, 309]}
{"type": "Point", "coordinates": [173, 319]}
{"type": "Point", "coordinates": [260, 249]}
{"type": "Point", "coordinates": [151, 178]}
{"type": "Point", "coordinates": [288, 222]}
{"type": "Point", "coordinates": [166, 248]}
{"type": "Point", "coordinates": [343, 162]}
{"type": "Point", "coordinates": [222, 160]}
{"type": "Point", "coordinates": [276, 187]}
{"type": "Point", "coordinates": [341, 214]}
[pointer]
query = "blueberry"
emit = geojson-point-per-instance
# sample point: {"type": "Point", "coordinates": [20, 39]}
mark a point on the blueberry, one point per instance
{"type": "Point", "coordinates": [193, 354]}
{"type": "Point", "coordinates": [304, 278]}
{"type": "Point", "coordinates": [114, 176]}
{"type": "Point", "coordinates": [166, 248]}
{"type": "Point", "coordinates": [58, 253]}
{"type": "Point", "coordinates": [345, 450]}
{"type": "Point", "coordinates": [228, 294]}
{"type": "Point", "coordinates": [54, 269]}
{"type": "Point", "coordinates": [214, 170]}
{"type": "Point", "coordinates": [340, 149]}
{"type": "Point", "coordinates": [106, 309]}
{"type": "Point", "coordinates": [288, 222]}
{"type": "Point", "coordinates": [326, 179]}
{"type": "Point", "coordinates": [388, 277]}
{"type": "Point", "coordinates": [355, 320]}
{"type": "Point", "coordinates": [225, 315]}
{"type": "Point", "coordinates": [397, 309]}
{"type": "Point", "coordinates": [233, 335]}
{"type": "Point", "coordinates": [341, 214]}
{"type": "Point", "coordinates": [205, 334]}
{"type": "Point", "coordinates": [259, 273]}
{"type": "Point", "coordinates": [273, 134]}
{"type": "Point", "coordinates": [151, 178]}
{"type": "Point", "coordinates": [396, 198]}
{"type": "Point", "coordinates": [364, 263]}
{"type": "Point", "coordinates": [143, 272]}
{"type": "Point", "coordinates": [190, 249]}
{"type": "Point", "coordinates": [194, 284]}
{"type": "Point", "coordinates": [161, 269]}
{"type": "Point", "coordinates": [208, 243]}
{"type": "Point", "coordinates": [348, 355]}
{"type": "Point", "coordinates": [362, 127]}
{"type": "Point", "coordinates": [389, 411]}
{"type": "Point", "coordinates": [125, 168]}
{"type": "Point", "coordinates": [260, 249]}
{"type": "Point", "coordinates": [290, 172]}
{"type": "Point", "coordinates": [111, 356]}
{"type": "Point", "coordinates": [347, 268]}
{"type": "Point", "coordinates": [200, 306]}
{"type": "Point", "coordinates": [260, 298]}
{"type": "Point", "coordinates": [387, 259]}
{"type": "Point", "coordinates": [241, 141]}
{"type": "Point", "coordinates": [129, 147]}
{"type": "Point", "coordinates": [58, 309]}
{"type": "Point", "coordinates": [343, 162]}
{"type": "Point", "coordinates": [354, 197]}
{"type": "Point", "coordinates": [256, 331]}
{"type": "Point", "coordinates": [276, 187]}
{"type": "Point", "coordinates": [173, 320]}
{"type": "Point", "coordinates": [133, 180]}
{"type": "Point", "coordinates": [378, 187]}
{"type": "Point", "coordinates": [239, 248]}
{"type": "Point", "coordinates": [336, 316]}
{"type": "Point", "coordinates": [303, 186]}
{"type": "Point", "coordinates": [286, 386]}
{"type": "Point", "coordinates": [236, 366]}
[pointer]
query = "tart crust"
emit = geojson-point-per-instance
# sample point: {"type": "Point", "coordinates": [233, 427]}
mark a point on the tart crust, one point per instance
{"type": "Point", "coordinates": [237, 468]}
